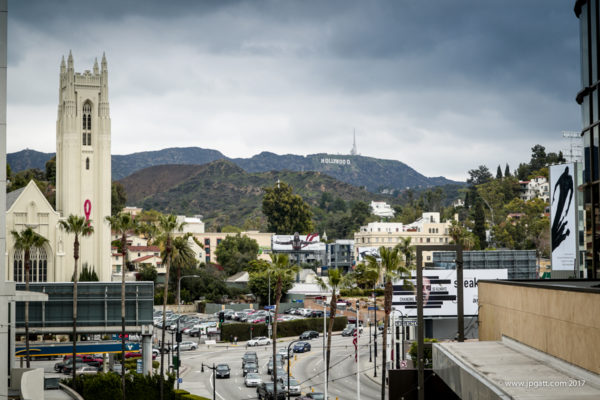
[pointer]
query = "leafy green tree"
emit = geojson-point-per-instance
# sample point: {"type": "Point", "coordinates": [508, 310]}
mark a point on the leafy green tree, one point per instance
{"type": "Point", "coordinates": [88, 274]}
{"type": "Point", "coordinates": [167, 225]}
{"type": "Point", "coordinates": [51, 171]}
{"type": "Point", "coordinates": [147, 273]}
{"type": "Point", "coordinates": [479, 223]}
{"type": "Point", "coordinates": [78, 226]}
{"type": "Point", "coordinates": [507, 171]}
{"type": "Point", "coordinates": [118, 198]}
{"type": "Point", "coordinates": [234, 253]}
{"type": "Point", "coordinates": [258, 282]}
{"type": "Point", "coordinates": [499, 172]}
{"type": "Point", "coordinates": [25, 241]}
{"type": "Point", "coordinates": [480, 175]}
{"type": "Point", "coordinates": [461, 235]}
{"type": "Point", "coordinates": [209, 284]}
{"type": "Point", "coordinates": [526, 228]}
{"type": "Point", "coordinates": [362, 276]}
{"type": "Point", "coordinates": [286, 212]}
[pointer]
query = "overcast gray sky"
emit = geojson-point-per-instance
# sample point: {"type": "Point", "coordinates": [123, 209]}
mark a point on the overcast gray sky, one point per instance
{"type": "Point", "coordinates": [443, 86]}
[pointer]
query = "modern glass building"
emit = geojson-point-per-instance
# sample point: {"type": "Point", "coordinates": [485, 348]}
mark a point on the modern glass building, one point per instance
{"type": "Point", "coordinates": [589, 99]}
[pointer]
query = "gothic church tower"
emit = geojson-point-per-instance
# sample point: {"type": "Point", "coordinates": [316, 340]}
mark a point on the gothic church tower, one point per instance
{"type": "Point", "coordinates": [83, 163]}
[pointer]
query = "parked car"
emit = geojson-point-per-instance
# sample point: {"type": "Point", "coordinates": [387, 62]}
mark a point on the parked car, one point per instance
{"type": "Point", "coordinates": [59, 366]}
{"type": "Point", "coordinates": [223, 371]}
{"type": "Point", "coordinates": [252, 379]}
{"type": "Point", "coordinates": [348, 331]}
{"type": "Point", "coordinates": [68, 369]}
{"type": "Point", "coordinates": [249, 367]}
{"type": "Point", "coordinates": [186, 345]}
{"type": "Point", "coordinates": [294, 388]}
{"type": "Point", "coordinates": [301, 347]}
{"type": "Point", "coordinates": [86, 370]}
{"type": "Point", "coordinates": [307, 335]}
{"type": "Point", "coordinates": [266, 390]}
{"type": "Point", "coordinates": [316, 314]}
{"type": "Point", "coordinates": [259, 341]}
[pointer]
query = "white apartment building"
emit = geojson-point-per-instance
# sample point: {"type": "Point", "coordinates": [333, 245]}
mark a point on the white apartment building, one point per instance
{"type": "Point", "coordinates": [427, 230]}
{"type": "Point", "coordinates": [538, 187]}
{"type": "Point", "coordinates": [382, 209]}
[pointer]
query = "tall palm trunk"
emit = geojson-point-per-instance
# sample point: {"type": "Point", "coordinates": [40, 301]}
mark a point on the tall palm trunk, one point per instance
{"type": "Point", "coordinates": [75, 276]}
{"type": "Point", "coordinates": [164, 318]}
{"type": "Point", "coordinates": [389, 290]}
{"type": "Point", "coordinates": [27, 266]}
{"type": "Point", "coordinates": [333, 309]}
{"type": "Point", "coordinates": [124, 251]}
{"type": "Point", "coordinates": [277, 298]}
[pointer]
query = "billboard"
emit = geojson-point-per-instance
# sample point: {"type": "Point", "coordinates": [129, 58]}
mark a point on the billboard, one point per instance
{"type": "Point", "coordinates": [297, 242]}
{"type": "Point", "coordinates": [367, 251]}
{"type": "Point", "coordinates": [439, 292]}
{"type": "Point", "coordinates": [563, 214]}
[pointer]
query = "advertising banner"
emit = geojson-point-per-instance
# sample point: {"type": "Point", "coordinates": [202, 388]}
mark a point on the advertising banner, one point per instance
{"type": "Point", "coordinates": [439, 292]}
{"type": "Point", "coordinates": [563, 214]}
{"type": "Point", "coordinates": [297, 242]}
{"type": "Point", "coordinates": [367, 251]}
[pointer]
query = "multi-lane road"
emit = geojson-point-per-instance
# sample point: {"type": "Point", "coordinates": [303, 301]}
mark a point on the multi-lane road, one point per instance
{"type": "Point", "coordinates": [307, 368]}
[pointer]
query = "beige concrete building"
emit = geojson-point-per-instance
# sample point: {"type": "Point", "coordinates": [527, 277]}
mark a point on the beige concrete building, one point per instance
{"type": "Point", "coordinates": [210, 240]}
{"type": "Point", "coordinates": [427, 230]}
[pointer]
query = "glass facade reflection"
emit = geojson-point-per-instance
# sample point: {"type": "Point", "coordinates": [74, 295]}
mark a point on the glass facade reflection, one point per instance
{"type": "Point", "coordinates": [589, 99]}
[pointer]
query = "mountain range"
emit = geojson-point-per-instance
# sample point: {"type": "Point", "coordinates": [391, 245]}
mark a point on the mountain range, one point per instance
{"type": "Point", "coordinates": [375, 175]}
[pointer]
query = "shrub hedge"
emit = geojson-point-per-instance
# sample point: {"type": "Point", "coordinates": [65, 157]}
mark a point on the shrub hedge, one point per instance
{"type": "Point", "coordinates": [108, 386]}
{"type": "Point", "coordinates": [360, 292]}
{"type": "Point", "coordinates": [284, 329]}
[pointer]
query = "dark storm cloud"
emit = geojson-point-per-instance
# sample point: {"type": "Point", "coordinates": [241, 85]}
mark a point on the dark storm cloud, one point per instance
{"type": "Point", "coordinates": [462, 82]}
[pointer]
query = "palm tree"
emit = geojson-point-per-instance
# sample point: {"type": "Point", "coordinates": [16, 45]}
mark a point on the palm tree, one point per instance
{"type": "Point", "coordinates": [335, 280]}
{"type": "Point", "coordinates": [123, 223]}
{"type": "Point", "coordinates": [460, 235]}
{"type": "Point", "coordinates": [390, 268]}
{"type": "Point", "coordinates": [279, 269]}
{"type": "Point", "coordinates": [407, 250]}
{"type": "Point", "coordinates": [167, 225]}
{"type": "Point", "coordinates": [182, 256]}
{"type": "Point", "coordinates": [25, 241]}
{"type": "Point", "coordinates": [78, 226]}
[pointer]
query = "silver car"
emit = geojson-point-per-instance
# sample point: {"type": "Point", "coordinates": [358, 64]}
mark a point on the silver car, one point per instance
{"type": "Point", "coordinates": [252, 379]}
{"type": "Point", "coordinates": [187, 345]}
{"type": "Point", "coordinates": [294, 386]}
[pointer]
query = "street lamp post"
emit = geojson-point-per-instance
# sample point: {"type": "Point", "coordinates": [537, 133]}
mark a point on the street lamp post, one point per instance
{"type": "Point", "coordinates": [178, 331]}
{"type": "Point", "coordinates": [375, 335]}
{"type": "Point", "coordinates": [214, 376]}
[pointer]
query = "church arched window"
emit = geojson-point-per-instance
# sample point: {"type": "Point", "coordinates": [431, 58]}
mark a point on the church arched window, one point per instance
{"type": "Point", "coordinates": [38, 271]}
{"type": "Point", "coordinates": [87, 124]}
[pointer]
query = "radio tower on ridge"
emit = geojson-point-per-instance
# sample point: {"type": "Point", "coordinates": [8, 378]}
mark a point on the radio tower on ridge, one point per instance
{"type": "Point", "coordinates": [354, 151]}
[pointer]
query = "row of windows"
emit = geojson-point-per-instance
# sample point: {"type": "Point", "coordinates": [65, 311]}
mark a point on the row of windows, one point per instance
{"type": "Point", "coordinates": [397, 239]}
{"type": "Point", "coordinates": [38, 271]}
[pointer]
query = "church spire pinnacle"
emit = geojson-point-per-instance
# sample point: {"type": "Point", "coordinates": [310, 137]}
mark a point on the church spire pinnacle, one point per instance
{"type": "Point", "coordinates": [70, 60]}
{"type": "Point", "coordinates": [103, 61]}
{"type": "Point", "coordinates": [62, 65]}
{"type": "Point", "coordinates": [95, 66]}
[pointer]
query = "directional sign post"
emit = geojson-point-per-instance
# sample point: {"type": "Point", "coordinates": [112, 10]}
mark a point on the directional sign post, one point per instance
{"type": "Point", "coordinates": [269, 307]}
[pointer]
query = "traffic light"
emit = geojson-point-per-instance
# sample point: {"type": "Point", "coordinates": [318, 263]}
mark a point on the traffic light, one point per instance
{"type": "Point", "coordinates": [221, 317]}
{"type": "Point", "coordinates": [175, 362]}
{"type": "Point", "coordinates": [178, 337]}
{"type": "Point", "coordinates": [268, 319]}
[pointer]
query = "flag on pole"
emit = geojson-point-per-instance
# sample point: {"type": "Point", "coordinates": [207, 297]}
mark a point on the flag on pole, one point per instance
{"type": "Point", "coordinates": [355, 342]}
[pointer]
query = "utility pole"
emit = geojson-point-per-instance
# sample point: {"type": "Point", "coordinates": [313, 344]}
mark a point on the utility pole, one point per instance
{"type": "Point", "coordinates": [357, 349]}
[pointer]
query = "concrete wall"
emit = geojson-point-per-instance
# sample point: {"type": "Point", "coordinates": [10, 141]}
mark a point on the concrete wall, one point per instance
{"type": "Point", "coordinates": [564, 324]}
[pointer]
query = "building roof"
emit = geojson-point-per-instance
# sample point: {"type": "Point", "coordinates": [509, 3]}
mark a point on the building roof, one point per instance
{"type": "Point", "coordinates": [240, 277]}
{"type": "Point", "coordinates": [11, 197]}
{"type": "Point", "coordinates": [144, 248]}
{"type": "Point", "coordinates": [144, 258]}
{"type": "Point", "coordinates": [508, 369]}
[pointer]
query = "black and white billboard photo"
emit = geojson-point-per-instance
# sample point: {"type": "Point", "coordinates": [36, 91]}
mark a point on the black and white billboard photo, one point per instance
{"type": "Point", "coordinates": [563, 209]}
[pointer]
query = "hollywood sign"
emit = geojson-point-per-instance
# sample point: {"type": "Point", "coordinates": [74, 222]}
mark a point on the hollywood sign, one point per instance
{"type": "Point", "coordinates": [335, 161]}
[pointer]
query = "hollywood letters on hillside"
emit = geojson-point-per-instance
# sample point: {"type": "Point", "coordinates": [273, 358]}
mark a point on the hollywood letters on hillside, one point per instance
{"type": "Point", "coordinates": [563, 214]}
{"type": "Point", "coordinates": [440, 290]}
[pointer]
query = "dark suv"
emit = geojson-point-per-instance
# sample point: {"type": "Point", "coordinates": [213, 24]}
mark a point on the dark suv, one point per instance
{"type": "Point", "coordinates": [249, 356]}
{"type": "Point", "coordinates": [266, 391]}
{"type": "Point", "coordinates": [309, 335]}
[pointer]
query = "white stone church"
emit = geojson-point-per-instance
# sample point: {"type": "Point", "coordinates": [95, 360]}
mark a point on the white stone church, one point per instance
{"type": "Point", "coordinates": [83, 184]}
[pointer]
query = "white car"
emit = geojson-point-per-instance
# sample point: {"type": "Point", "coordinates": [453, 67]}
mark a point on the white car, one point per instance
{"type": "Point", "coordinates": [187, 345]}
{"type": "Point", "coordinates": [252, 379]}
{"type": "Point", "coordinates": [294, 385]}
{"type": "Point", "coordinates": [259, 341]}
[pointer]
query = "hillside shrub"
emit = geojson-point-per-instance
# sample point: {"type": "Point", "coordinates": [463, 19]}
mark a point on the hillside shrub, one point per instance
{"type": "Point", "coordinates": [284, 329]}
{"type": "Point", "coordinates": [427, 352]}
